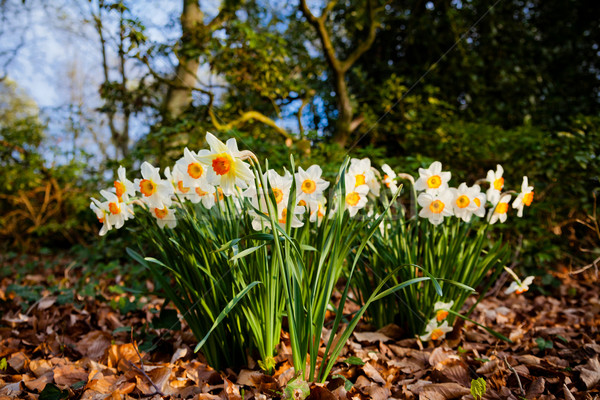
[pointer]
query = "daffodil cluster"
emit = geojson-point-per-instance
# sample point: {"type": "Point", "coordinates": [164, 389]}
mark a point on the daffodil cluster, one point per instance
{"type": "Point", "coordinates": [438, 200]}
{"type": "Point", "coordinates": [208, 176]}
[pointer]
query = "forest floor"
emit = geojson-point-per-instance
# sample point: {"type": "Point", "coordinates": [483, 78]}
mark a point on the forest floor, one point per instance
{"type": "Point", "coordinates": [58, 344]}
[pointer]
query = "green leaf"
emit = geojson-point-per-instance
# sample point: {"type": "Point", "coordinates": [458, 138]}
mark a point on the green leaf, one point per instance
{"type": "Point", "coordinates": [3, 364]}
{"type": "Point", "coordinates": [224, 313]}
{"type": "Point", "coordinates": [354, 361]}
{"type": "Point", "coordinates": [78, 385]}
{"type": "Point", "coordinates": [167, 319]}
{"type": "Point", "coordinates": [478, 387]}
{"type": "Point", "coordinates": [52, 392]}
{"type": "Point", "coordinates": [544, 344]}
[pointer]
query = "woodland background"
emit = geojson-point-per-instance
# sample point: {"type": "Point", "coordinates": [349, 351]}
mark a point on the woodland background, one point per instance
{"type": "Point", "coordinates": [86, 86]}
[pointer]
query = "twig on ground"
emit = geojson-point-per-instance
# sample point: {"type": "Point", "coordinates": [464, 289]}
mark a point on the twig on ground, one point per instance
{"type": "Point", "coordinates": [593, 264]}
{"type": "Point", "coordinates": [141, 369]}
{"type": "Point", "coordinates": [516, 374]}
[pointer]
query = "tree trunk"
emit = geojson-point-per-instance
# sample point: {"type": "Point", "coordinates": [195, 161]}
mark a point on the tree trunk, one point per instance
{"type": "Point", "coordinates": [179, 95]}
{"type": "Point", "coordinates": [344, 120]}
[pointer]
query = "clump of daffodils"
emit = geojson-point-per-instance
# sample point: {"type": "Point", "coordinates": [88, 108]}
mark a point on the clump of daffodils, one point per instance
{"type": "Point", "coordinates": [438, 201]}
{"type": "Point", "coordinates": [210, 175]}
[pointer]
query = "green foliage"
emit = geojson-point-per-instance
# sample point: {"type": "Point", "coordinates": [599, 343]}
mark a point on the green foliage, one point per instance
{"type": "Point", "coordinates": [478, 388]}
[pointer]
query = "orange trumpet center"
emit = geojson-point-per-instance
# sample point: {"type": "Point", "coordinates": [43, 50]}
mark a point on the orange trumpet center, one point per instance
{"type": "Point", "coordinates": [221, 164]}
{"type": "Point", "coordinates": [436, 206]}
{"type": "Point", "coordinates": [160, 214]}
{"type": "Point", "coordinates": [528, 198]}
{"type": "Point", "coordinates": [147, 187]}
{"type": "Point", "coordinates": [195, 170]}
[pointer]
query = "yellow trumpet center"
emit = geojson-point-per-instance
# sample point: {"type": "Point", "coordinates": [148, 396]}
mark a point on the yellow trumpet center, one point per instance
{"type": "Point", "coordinates": [302, 203]}
{"type": "Point", "coordinates": [360, 179]}
{"type": "Point", "coordinates": [308, 186]}
{"type": "Point", "coordinates": [436, 206]}
{"type": "Point", "coordinates": [501, 208]}
{"type": "Point", "coordinates": [195, 170]}
{"type": "Point", "coordinates": [477, 201]}
{"type": "Point", "coordinates": [463, 201]}
{"type": "Point", "coordinates": [147, 187]}
{"type": "Point", "coordinates": [278, 195]}
{"type": "Point", "coordinates": [499, 183]}
{"type": "Point", "coordinates": [352, 198]}
{"type": "Point", "coordinates": [434, 182]}
{"type": "Point", "coordinates": [528, 198]}
{"type": "Point", "coordinates": [200, 192]}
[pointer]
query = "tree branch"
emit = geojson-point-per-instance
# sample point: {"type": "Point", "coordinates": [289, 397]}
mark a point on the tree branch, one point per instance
{"type": "Point", "coordinates": [319, 25]}
{"type": "Point", "coordinates": [365, 44]}
{"type": "Point", "coordinates": [247, 116]}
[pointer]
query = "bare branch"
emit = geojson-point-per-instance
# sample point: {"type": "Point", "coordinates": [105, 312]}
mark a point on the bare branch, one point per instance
{"type": "Point", "coordinates": [365, 44]}
{"type": "Point", "coordinates": [247, 116]}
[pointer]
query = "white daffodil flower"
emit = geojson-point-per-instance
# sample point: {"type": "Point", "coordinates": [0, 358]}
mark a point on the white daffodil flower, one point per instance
{"type": "Point", "coordinates": [479, 200]}
{"type": "Point", "coordinates": [500, 210]}
{"type": "Point", "coordinates": [101, 211]}
{"type": "Point", "coordinates": [318, 211]}
{"type": "Point", "coordinates": [439, 308]}
{"type": "Point", "coordinates": [433, 331]}
{"type": "Point", "coordinates": [389, 178]}
{"type": "Point", "coordinates": [496, 182]}
{"type": "Point", "coordinates": [156, 192]}
{"type": "Point", "coordinates": [356, 195]}
{"type": "Point", "coordinates": [363, 174]}
{"type": "Point", "coordinates": [124, 188]}
{"type": "Point", "coordinates": [164, 217]}
{"type": "Point", "coordinates": [524, 198]}
{"type": "Point", "coordinates": [433, 179]}
{"type": "Point", "coordinates": [310, 186]}
{"type": "Point", "coordinates": [191, 169]}
{"type": "Point", "coordinates": [226, 169]}
{"type": "Point", "coordinates": [464, 205]}
{"type": "Point", "coordinates": [435, 206]}
{"type": "Point", "coordinates": [521, 287]}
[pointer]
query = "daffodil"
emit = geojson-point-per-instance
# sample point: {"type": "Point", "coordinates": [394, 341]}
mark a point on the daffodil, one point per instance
{"type": "Point", "coordinates": [435, 331]}
{"type": "Point", "coordinates": [318, 212]}
{"type": "Point", "coordinates": [519, 287]}
{"type": "Point", "coordinates": [389, 178]}
{"type": "Point", "coordinates": [123, 187]}
{"type": "Point", "coordinates": [191, 169]}
{"type": "Point", "coordinates": [165, 216]}
{"type": "Point", "coordinates": [440, 309]}
{"type": "Point", "coordinates": [310, 186]}
{"type": "Point", "coordinates": [435, 206]}
{"type": "Point", "coordinates": [363, 174]}
{"type": "Point", "coordinates": [226, 168]}
{"type": "Point", "coordinates": [500, 210]}
{"type": "Point", "coordinates": [464, 204]}
{"type": "Point", "coordinates": [101, 211]}
{"type": "Point", "coordinates": [433, 179]}
{"type": "Point", "coordinates": [156, 192]}
{"type": "Point", "coordinates": [356, 195]}
{"type": "Point", "coordinates": [496, 182]}
{"type": "Point", "coordinates": [524, 198]}
{"type": "Point", "coordinates": [479, 199]}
